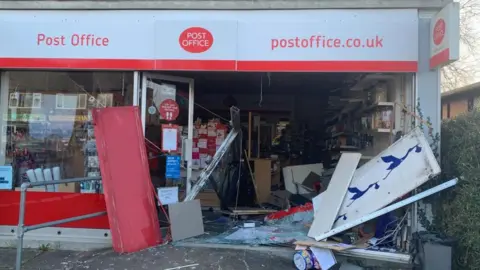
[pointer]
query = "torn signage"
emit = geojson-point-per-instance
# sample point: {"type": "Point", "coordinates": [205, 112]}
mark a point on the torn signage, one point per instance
{"type": "Point", "coordinates": [399, 169]}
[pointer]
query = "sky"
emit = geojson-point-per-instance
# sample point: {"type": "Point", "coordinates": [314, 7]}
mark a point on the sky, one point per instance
{"type": "Point", "coordinates": [468, 58]}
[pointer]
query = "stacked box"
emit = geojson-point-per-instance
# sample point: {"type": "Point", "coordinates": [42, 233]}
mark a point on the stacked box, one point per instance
{"type": "Point", "coordinates": [207, 138]}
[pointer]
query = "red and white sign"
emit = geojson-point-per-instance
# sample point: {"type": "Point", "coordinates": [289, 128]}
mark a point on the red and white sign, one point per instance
{"type": "Point", "coordinates": [381, 40]}
{"type": "Point", "coordinates": [445, 36]}
{"type": "Point", "coordinates": [196, 40]}
{"type": "Point", "coordinates": [169, 109]}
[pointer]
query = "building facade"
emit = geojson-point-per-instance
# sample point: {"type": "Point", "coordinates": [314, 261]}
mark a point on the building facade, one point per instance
{"type": "Point", "coordinates": [52, 45]}
{"type": "Point", "coordinates": [460, 101]}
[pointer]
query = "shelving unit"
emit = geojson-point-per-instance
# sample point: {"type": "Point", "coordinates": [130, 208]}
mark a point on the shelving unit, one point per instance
{"type": "Point", "coordinates": [368, 127]}
{"type": "Point", "coordinates": [92, 165]}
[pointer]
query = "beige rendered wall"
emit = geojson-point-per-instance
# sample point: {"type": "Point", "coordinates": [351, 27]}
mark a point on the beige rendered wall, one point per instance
{"type": "Point", "coordinates": [457, 107]}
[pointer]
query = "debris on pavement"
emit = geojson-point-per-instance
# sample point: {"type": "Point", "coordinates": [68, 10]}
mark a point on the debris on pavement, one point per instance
{"type": "Point", "coordinates": [362, 195]}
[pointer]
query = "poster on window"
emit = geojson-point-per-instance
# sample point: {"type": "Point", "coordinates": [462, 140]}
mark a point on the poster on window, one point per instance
{"type": "Point", "coordinates": [162, 92]}
{"type": "Point", "coordinates": [6, 176]}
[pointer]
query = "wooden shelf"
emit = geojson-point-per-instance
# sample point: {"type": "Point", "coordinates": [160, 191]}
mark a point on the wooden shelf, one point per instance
{"type": "Point", "coordinates": [382, 130]}
{"type": "Point", "coordinates": [377, 106]}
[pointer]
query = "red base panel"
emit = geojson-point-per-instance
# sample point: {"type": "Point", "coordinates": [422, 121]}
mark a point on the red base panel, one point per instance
{"type": "Point", "coordinates": [49, 206]}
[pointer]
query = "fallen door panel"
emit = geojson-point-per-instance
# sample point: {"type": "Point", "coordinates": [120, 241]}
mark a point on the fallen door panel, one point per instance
{"type": "Point", "coordinates": [126, 180]}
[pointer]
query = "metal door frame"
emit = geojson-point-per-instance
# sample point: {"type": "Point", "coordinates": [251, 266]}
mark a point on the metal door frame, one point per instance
{"type": "Point", "coordinates": [191, 93]}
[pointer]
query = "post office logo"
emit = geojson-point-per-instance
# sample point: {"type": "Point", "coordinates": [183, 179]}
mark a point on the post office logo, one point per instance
{"type": "Point", "coordinates": [439, 32]}
{"type": "Point", "coordinates": [196, 40]}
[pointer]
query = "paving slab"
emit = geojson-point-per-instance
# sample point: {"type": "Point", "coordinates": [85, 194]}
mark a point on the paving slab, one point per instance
{"type": "Point", "coordinates": [8, 256]}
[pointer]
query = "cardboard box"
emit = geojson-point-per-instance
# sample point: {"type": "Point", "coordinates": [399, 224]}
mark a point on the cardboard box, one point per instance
{"type": "Point", "coordinates": [202, 143]}
{"type": "Point", "coordinates": [69, 188]}
{"type": "Point", "coordinates": [35, 189]}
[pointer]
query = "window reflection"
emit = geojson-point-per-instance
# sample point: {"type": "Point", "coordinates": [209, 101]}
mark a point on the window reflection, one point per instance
{"type": "Point", "coordinates": [48, 120]}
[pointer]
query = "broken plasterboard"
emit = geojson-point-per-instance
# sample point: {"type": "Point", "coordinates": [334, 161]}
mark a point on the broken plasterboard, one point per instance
{"type": "Point", "coordinates": [332, 198]}
{"type": "Point", "coordinates": [186, 219]}
{"type": "Point", "coordinates": [294, 176]}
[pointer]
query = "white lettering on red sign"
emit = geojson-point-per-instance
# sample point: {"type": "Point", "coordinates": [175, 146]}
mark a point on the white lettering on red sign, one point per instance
{"type": "Point", "coordinates": [169, 109]}
{"type": "Point", "coordinates": [196, 40]}
{"type": "Point", "coordinates": [439, 32]}
{"type": "Point", "coordinates": [75, 40]}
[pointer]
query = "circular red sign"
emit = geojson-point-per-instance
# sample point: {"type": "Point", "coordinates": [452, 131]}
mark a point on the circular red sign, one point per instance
{"type": "Point", "coordinates": [169, 109]}
{"type": "Point", "coordinates": [439, 32]}
{"type": "Point", "coordinates": [196, 40]}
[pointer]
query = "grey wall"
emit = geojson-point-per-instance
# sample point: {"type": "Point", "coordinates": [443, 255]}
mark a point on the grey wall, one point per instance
{"type": "Point", "coordinates": [428, 91]}
{"type": "Point", "coordinates": [427, 81]}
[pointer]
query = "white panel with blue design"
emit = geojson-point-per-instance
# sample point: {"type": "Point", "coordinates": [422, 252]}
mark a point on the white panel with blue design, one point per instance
{"type": "Point", "coordinates": [399, 169]}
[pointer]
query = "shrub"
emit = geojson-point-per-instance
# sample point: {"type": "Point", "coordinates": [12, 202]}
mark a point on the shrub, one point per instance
{"type": "Point", "coordinates": [457, 211]}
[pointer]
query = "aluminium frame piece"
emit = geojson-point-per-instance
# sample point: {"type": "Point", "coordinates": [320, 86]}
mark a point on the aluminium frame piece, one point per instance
{"type": "Point", "coordinates": [222, 150]}
{"type": "Point", "coordinates": [22, 229]}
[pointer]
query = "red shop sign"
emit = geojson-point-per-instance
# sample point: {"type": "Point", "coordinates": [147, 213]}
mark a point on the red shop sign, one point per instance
{"type": "Point", "coordinates": [169, 109]}
{"type": "Point", "coordinates": [439, 31]}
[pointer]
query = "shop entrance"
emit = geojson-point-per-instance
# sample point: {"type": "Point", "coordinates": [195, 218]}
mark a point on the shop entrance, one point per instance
{"type": "Point", "coordinates": [157, 92]}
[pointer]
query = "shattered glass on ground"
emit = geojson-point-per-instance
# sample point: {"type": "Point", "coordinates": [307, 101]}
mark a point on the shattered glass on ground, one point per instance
{"type": "Point", "coordinates": [221, 230]}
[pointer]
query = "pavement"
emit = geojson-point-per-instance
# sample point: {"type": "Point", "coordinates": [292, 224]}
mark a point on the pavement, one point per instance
{"type": "Point", "coordinates": [163, 257]}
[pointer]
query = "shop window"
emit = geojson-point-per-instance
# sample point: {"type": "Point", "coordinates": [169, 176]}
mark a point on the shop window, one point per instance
{"type": "Point", "coordinates": [470, 104]}
{"type": "Point", "coordinates": [47, 123]}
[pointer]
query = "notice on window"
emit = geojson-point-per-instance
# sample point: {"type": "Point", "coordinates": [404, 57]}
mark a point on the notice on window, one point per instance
{"type": "Point", "coordinates": [6, 177]}
{"type": "Point", "coordinates": [168, 195]}
{"type": "Point", "coordinates": [172, 170]}
{"type": "Point", "coordinates": [169, 138]}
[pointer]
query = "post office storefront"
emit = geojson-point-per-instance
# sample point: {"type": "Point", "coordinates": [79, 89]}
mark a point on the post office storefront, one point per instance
{"type": "Point", "coordinates": [57, 65]}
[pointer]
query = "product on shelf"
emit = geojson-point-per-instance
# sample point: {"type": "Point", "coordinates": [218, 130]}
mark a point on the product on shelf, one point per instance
{"type": "Point", "coordinates": [92, 165]}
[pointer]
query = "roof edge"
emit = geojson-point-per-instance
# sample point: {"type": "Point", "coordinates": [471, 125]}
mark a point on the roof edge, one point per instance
{"type": "Point", "coordinates": [462, 90]}
{"type": "Point", "coordinates": [223, 4]}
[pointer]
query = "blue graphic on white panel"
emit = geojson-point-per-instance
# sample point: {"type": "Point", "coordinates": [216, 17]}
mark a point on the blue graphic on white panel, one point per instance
{"type": "Point", "coordinates": [394, 162]}
{"type": "Point", "coordinates": [343, 216]}
{"type": "Point", "coordinates": [357, 193]}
